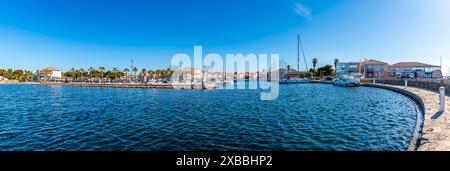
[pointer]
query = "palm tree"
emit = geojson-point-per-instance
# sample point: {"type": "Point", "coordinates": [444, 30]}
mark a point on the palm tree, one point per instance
{"type": "Point", "coordinates": [90, 71]}
{"type": "Point", "coordinates": [102, 69]}
{"type": "Point", "coordinates": [126, 71]}
{"type": "Point", "coordinates": [135, 70]}
{"type": "Point", "coordinates": [151, 73]}
{"type": "Point", "coordinates": [116, 73]}
{"type": "Point", "coordinates": [314, 62]}
{"type": "Point", "coordinates": [336, 61]}
{"type": "Point", "coordinates": [169, 72]}
{"type": "Point", "coordinates": [82, 74]}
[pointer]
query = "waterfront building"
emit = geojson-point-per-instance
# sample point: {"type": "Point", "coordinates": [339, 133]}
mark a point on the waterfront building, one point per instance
{"type": "Point", "coordinates": [293, 74]}
{"type": "Point", "coordinates": [289, 74]}
{"type": "Point", "coordinates": [374, 69]}
{"type": "Point", "coordinates": [127, 77]}
{"type": "Point", "coordinates": [49, 74]}
{"type": "Point", "coordinates": [347, 68]}
{"type": "Point", "coordinates": [414, 70]}
{"type": "Point", "coordinates": [54, 72]}
{"type": "Point", "coordinates": [186, 75]}
{"type": "Point", "coordinates": [3, 78]}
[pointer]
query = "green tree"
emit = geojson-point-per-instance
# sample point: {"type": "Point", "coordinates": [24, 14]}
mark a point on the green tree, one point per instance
{"type": "Point", "coordinates": [151, 73]}
{"type": "Point", "coordinates": [168, 73]}
{"type": "Point", "coordinates": [102, 70]}
{"type": "Point", "coordinates": [135, 70]}
{"type": "Point", "coordinates": [304, 74]}
{"type": "Point", "coordinates": [82, 74]}
{"type": "Point", "coordinates": [90, 72]}
{"type": "Point", "coordinates": [314, 62]}
{"type": "Point", "coordinates": [326, 70]}
{"type": "Point", "coordinates": [336, 61]}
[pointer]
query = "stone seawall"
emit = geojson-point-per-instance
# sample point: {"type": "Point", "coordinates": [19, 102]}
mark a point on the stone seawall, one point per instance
{"type": "Point", "coordinates": [436, 125]}
{"type": "Point", "coordinates": [417, 135]}
{"type": "Point", "coordinates": [433, 86]}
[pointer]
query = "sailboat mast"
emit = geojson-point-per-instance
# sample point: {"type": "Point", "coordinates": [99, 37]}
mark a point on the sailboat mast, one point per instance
{"type": "Point", "coordinates": [303, 51]}
{"type": "Point", "coordinates": [298, 53]}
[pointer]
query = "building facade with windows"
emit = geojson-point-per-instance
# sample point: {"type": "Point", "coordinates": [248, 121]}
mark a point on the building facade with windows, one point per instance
{"type": "Point", "coordinates": [347, 68]}
{"type": "Point", "coordinates": [414, 70]}
{"type": "Point", "coordinates": [374, 69]}
{"type": "Point", "coordinates": [49, 74]}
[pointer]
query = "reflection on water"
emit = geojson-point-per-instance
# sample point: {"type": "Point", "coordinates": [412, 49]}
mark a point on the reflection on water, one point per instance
{"type": "Point", "coordinates": [305, 117]}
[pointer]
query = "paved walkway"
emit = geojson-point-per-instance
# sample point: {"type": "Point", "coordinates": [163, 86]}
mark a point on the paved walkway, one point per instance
{"type": "Point", "coordinates": [436, 129]}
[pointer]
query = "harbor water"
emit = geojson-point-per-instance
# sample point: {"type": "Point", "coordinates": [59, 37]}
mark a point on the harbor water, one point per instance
{"type": "Point", "coordinates": [305, 117]}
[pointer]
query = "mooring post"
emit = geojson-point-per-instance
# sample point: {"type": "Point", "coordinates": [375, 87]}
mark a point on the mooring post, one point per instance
{"type": "Point", "coordinates": [374, 80]}
{"type": "Point", "coordinates": [442, 99]}
{"type": "Point", "coordinates": [406, 83]}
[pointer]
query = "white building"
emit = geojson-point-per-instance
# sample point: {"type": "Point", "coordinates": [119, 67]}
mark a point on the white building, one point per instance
{"type": "Point", "coordinates": [3, 78]}
{"type": "Point", "coordinates": [55, 73]}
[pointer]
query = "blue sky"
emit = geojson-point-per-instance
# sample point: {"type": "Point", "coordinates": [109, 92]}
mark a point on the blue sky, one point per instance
{"type": "Point", "coordinates": [84, 33]}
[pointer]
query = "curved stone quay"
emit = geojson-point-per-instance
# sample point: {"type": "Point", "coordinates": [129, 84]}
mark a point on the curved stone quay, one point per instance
{"type": "Point", "coordinates": [436, 126]}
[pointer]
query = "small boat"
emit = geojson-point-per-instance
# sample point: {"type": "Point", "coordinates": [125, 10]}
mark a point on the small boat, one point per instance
{"type": "Point", "coordinates": [229, 82]}
{"type": "Point", "coordinates": [346, 81]}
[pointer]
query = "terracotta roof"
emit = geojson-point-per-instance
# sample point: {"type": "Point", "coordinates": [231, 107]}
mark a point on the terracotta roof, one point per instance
{"type": "Point", "coordinates": [374, 62]}
{"type": "Point", "coordinates": [412, 64]}
{"type": "Point", "coordinates": [293, 72]}
{"type": "Point", "coordinates": [50, 69]}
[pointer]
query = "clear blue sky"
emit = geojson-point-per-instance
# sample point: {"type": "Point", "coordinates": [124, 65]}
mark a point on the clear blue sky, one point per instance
{"type": "Point", "coordinates": [83, 33]}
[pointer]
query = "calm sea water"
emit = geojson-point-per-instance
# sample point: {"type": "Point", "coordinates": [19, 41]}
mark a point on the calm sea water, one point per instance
{"type": "Point", "coordinates": [305, 117]}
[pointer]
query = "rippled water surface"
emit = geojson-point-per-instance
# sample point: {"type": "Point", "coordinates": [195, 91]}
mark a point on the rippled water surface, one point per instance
{"type": "Point", "coordinates": [305, 117]}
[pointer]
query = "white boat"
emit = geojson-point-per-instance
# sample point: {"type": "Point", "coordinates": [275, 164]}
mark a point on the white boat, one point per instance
{"type": "Point", "coordinates": [228, 82]}
{"type": "Point", "coordinates": [347, 81]}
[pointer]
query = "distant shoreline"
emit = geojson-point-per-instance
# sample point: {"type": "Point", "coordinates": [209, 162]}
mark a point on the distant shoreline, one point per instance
{"type": "Point", "coordinates": [102, 85]}
{"type": "Point", "coordinates": [111, 85]}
